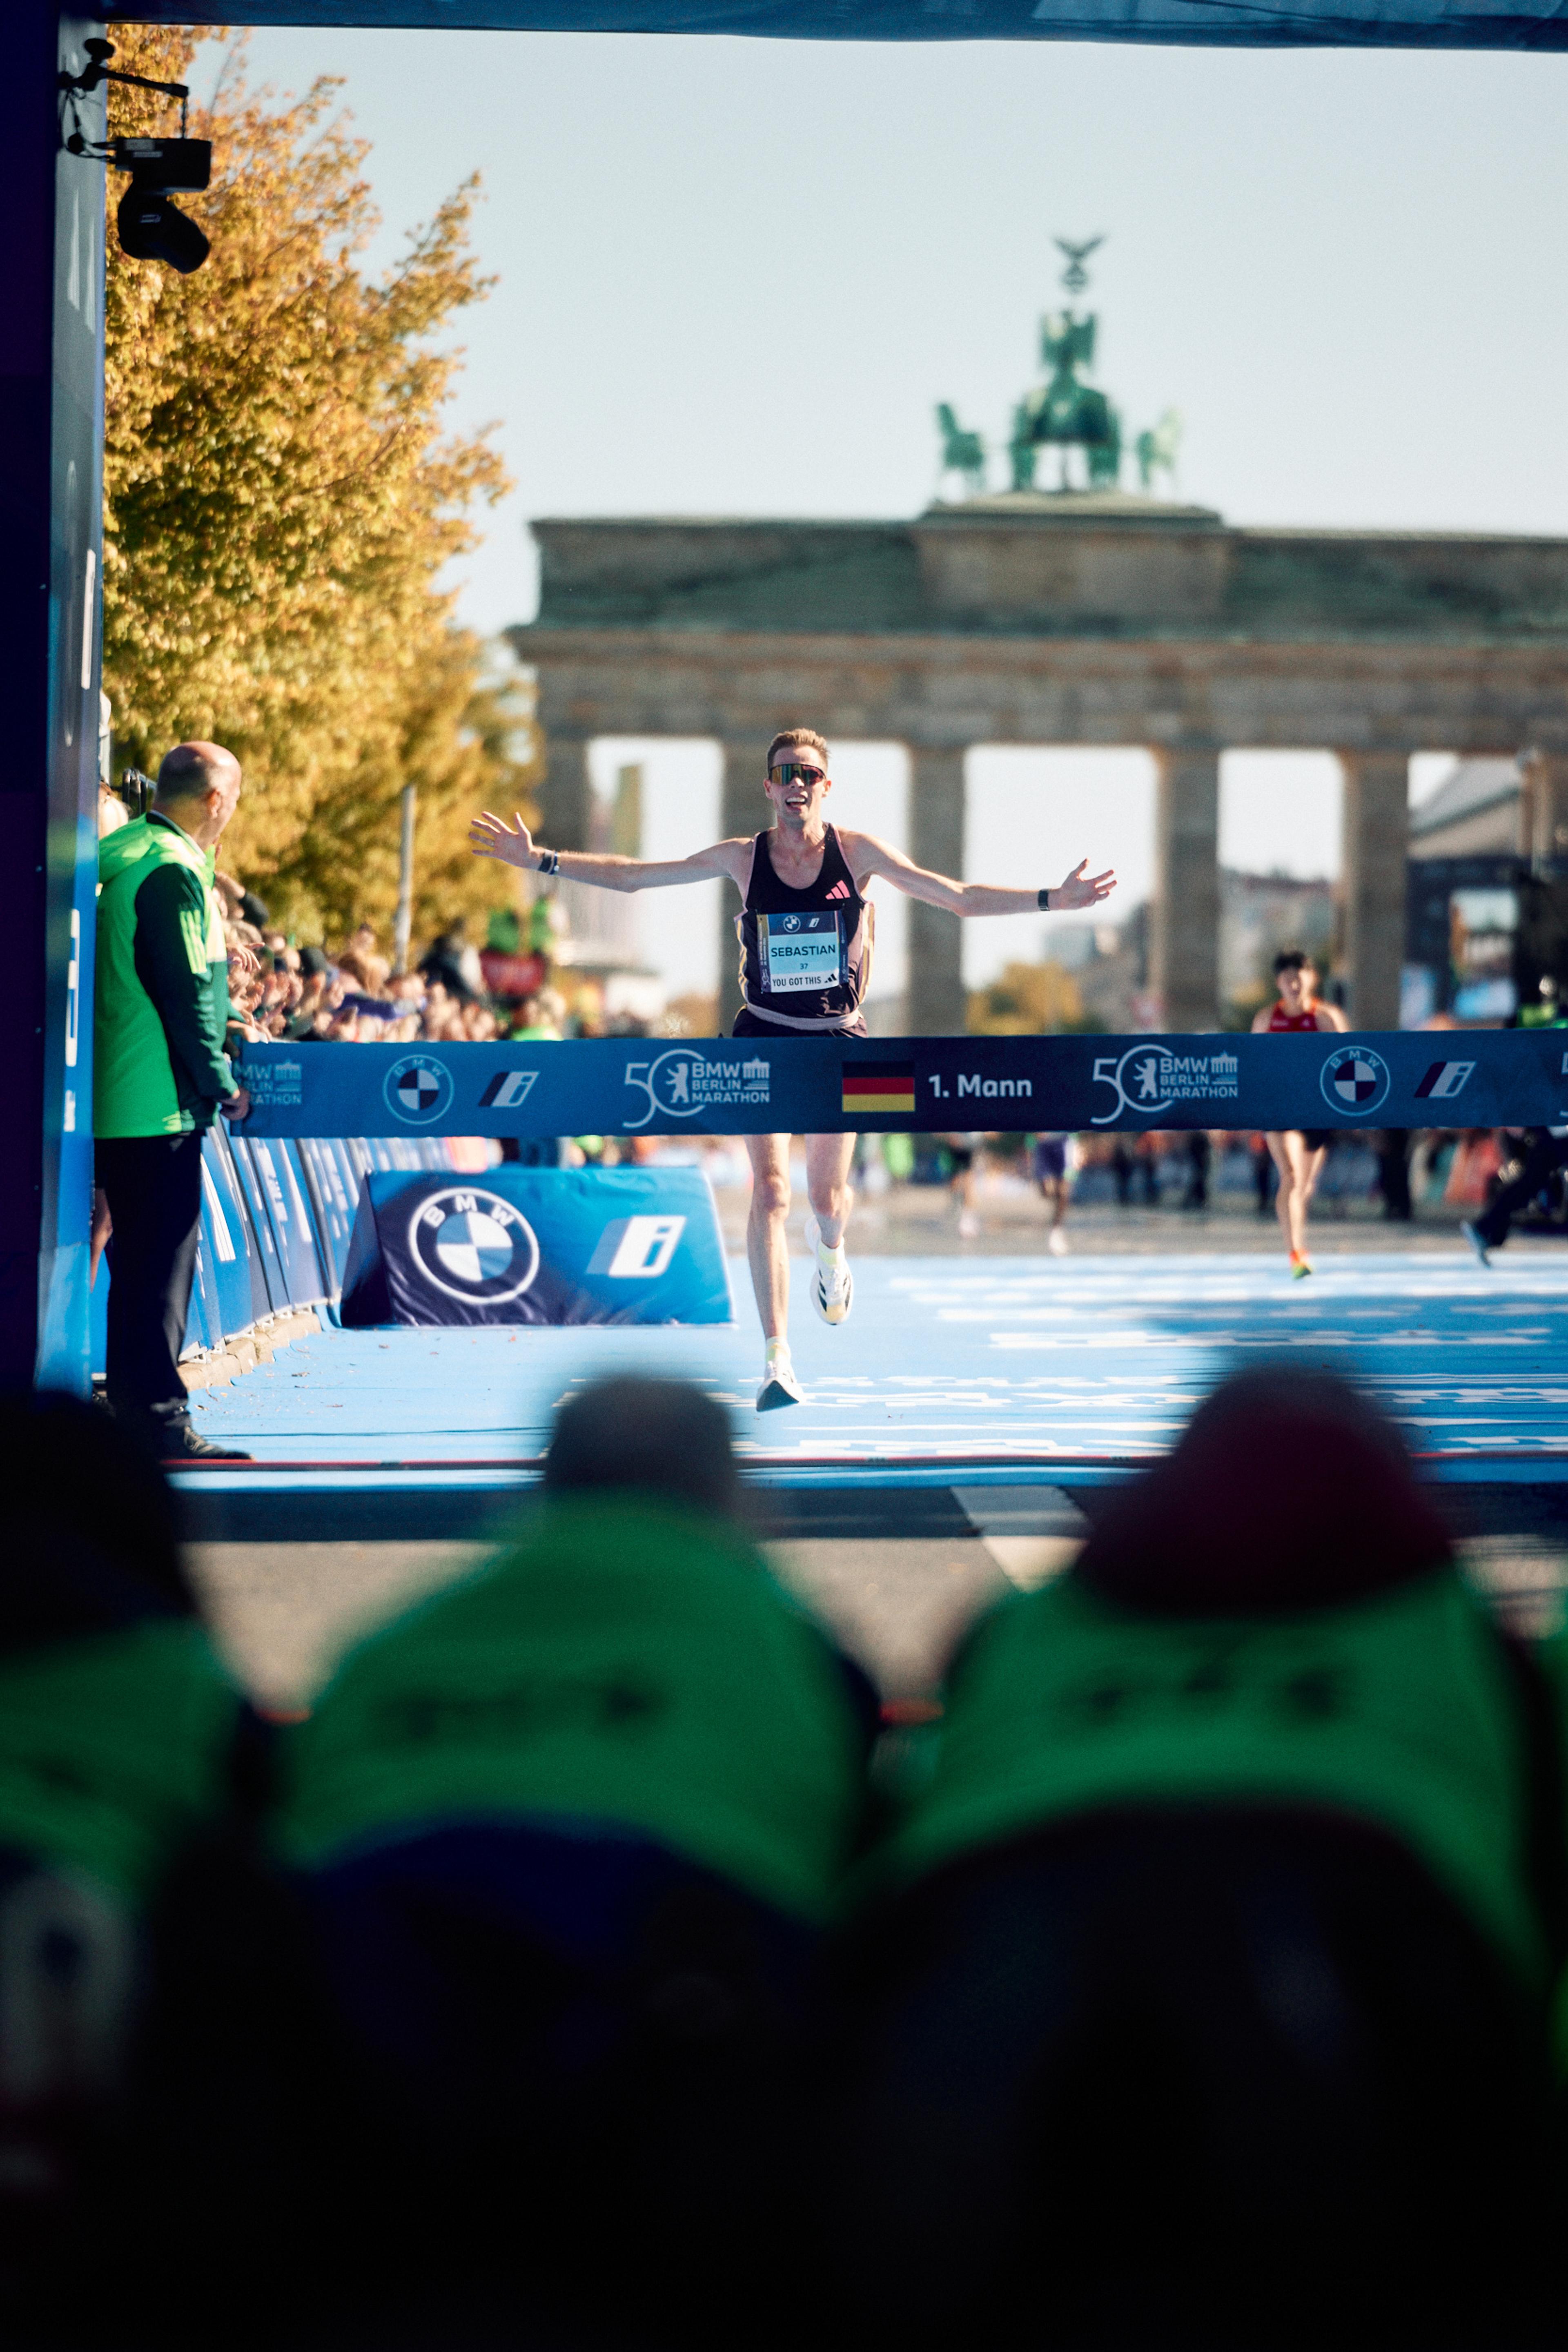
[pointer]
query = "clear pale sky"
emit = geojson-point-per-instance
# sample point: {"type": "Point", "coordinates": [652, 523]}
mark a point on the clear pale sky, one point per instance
{"type": "Point", "coordinates": [736, 276]}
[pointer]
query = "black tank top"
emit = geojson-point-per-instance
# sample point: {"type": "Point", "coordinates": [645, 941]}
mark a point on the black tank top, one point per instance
{"type": "Point", "coordinates": [805, 955]}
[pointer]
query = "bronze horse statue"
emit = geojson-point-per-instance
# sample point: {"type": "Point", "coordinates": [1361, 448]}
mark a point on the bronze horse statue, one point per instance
{"type": "Point", "coordinates": [1156, 449]}
{"type": "Point", "coordinates": [962, 452]}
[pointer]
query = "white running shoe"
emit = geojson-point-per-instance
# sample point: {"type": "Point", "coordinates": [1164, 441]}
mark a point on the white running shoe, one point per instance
{"type": "Point", "coordinates": [832, 1286]}
{"type": "Point", "coordinates": [968, 1225]}
{"type": "Point", "coordinates": [1056, 1244]}
{"type": "Point", "coordinates": [779, 1385]}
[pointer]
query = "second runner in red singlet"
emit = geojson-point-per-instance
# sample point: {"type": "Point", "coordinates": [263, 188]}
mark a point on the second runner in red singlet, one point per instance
{"type": "Point", "coordinates": [1297, 1153]}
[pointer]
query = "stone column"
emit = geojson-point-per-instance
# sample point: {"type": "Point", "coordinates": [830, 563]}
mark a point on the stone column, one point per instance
{"type": "Point", "coordinates": [741, 809]}
{"type": "Point", "coordinates": [1376, 855]}
{"type": "Point", "coordinates": [1543, 829]}
{"type": "Point", "coordinates": [1184, 926]}
{"type": "Point", "coordinates": [936, 1004]}
{"type": "Point", "coordinates": [565, 799]}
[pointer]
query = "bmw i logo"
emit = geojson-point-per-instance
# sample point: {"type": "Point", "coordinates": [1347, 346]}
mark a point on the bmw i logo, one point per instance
{"type": "Point", "coordinates": [418, 1090]}
{"type": "Point", "coordinates": [473, 1245]}
{"type": "Point", "coordinates": [1355, 1079]}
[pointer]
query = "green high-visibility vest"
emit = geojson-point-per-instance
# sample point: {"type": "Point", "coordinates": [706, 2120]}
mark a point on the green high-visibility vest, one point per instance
{"type": "Point", "coordinates": [134, 1087]}
{"type": "Point", "coordinates": [1398, 1711]}
{"type": "Point", "coordinates": [624, 1665]}
{"type": "Point", "coordinates": [113, 1750]}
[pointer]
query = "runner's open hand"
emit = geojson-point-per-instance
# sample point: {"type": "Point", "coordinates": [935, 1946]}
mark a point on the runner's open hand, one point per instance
{"type": "Point", "coordinates": [491, 837]}
{"type": "Point", "coordinates": [1082, 889]}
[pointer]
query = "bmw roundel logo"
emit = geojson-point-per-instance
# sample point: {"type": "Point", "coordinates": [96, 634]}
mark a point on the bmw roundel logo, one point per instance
{"type": "Point", "coordinates": [1355, 1080]}
{"type": "Point", "coordinates": [791, 923]}
{"type": "Point", "coordinates": [473, 1245]}
{"type": "Point", "coordinates": [418, 1090]}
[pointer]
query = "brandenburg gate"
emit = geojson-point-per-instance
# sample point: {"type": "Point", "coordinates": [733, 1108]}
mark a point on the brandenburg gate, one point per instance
{"type": "Point", "coordinates": [1079, 618]}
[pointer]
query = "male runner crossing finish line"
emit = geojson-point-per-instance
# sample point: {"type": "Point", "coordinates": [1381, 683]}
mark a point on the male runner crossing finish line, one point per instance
{"type": "Point", "coordinates": [806, 929]}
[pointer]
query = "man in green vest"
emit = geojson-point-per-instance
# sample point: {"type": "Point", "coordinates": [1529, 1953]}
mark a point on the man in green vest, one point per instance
{"type": "Point", "coordinates": [160, 1076]}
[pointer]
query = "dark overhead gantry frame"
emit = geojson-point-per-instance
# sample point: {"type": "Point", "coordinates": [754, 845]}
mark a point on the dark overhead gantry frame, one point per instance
{"type": "Point", "coordinates": [51, 437]}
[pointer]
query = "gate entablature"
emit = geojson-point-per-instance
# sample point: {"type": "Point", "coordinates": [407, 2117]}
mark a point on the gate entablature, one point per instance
{"type": "Point", "coordinates": [1094, 564]}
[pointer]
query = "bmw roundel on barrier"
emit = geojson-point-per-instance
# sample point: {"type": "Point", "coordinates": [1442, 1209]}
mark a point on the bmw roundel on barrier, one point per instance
{"type": "Point", "coordinates": [1355, 1080]}
{"type": "Point", "coordinates": [418, 1090]}
{"type": "Point", "coordinates": [474, 1246]}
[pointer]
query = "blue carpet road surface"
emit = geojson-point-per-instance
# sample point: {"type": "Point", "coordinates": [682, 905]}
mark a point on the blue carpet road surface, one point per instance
{"type": "Point", "coordinates": [1097, 1359]}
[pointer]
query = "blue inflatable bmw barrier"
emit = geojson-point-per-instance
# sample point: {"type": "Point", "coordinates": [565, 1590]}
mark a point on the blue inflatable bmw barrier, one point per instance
{"type": "Point", "coordinates": [538, 1245]}
{"type": "Point", "coordinates": [823, 1085]}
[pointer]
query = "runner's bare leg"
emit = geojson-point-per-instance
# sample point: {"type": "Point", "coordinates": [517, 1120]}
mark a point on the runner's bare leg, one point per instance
{"type": "Point", "coordinates": [828, 1186]}
{"type": "Point", "coordinates": [1298, 1171]}
{"type": "Point", "coordinates": [1284, 1192]}
{"type": "Point", "coordinates": [767, 1231]}
{"type": "Point", "coordinates": [1311, 1168]}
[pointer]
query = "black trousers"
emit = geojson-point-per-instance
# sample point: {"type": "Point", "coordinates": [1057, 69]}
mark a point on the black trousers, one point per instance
{"type": "Point", "coordinates": [1545, 1152]}
{"type": "Point", "coordinates": [154, 1188]}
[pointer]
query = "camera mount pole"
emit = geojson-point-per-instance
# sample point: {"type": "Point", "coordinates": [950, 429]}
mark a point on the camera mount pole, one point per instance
{"type": "Point", "coordinates": [98, 70]}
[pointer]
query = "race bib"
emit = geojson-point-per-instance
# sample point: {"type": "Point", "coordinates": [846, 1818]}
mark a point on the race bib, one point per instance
{"type": "Point", "coordinates": [800, 952]}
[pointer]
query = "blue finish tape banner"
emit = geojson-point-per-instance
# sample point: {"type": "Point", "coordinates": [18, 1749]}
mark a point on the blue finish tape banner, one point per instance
{"type": "Point", "coordinates": [831, 1085]}
{"type": "Point", "coordinates": [538, 1245]}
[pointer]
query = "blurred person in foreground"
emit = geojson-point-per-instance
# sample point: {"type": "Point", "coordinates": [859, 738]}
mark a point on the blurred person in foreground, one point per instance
{"type": "Point", "coordinates": [572, 1833]}
{"type": "Point", "coordinates": [1202, 1994]}
{"type": "Point", "coordinates": [160, 1077]}
{"type": "Point", "coordinates": [119, 1731]}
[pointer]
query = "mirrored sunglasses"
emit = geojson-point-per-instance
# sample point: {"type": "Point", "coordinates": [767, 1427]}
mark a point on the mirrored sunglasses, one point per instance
{"type": "Point", "coordinates": [793, 772]}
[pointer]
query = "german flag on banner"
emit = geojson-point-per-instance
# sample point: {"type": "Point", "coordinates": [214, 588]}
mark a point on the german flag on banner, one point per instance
{"type": "Point", "coordinates": [881, 1089]}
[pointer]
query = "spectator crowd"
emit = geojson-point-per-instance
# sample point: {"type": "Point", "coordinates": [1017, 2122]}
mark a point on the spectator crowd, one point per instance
{"type": "Point", "coordinates": [599, 1963]}
{"type": "Point", "coordinates": [302, 995]}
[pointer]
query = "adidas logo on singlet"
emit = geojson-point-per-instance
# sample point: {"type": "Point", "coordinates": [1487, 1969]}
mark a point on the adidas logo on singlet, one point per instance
{"type": "Point", "coordinates": [838, 890]}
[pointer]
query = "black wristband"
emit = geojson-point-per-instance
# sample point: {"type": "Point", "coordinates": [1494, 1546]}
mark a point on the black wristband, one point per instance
{"type": "Point", "coordinates": [1043, 901]}
{"type": "Point", "coordinates": [550, 861]}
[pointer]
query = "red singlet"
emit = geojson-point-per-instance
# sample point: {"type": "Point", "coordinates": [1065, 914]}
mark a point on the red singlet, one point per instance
{"type": "Point", "coordinates": [1279, 1019]}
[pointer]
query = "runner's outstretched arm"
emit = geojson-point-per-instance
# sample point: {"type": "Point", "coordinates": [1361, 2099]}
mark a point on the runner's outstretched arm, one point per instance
{"type": "Point", "coordinates": [868, 855]}
{"type": "Point", "coordinates": [491, 837]}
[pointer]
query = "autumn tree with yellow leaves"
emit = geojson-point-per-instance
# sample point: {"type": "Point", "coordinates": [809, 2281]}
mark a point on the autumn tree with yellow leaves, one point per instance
{"type": "Point", "coordinates": [1026, 1000]}
{"type": "Point", "coordinates": [279, 502]}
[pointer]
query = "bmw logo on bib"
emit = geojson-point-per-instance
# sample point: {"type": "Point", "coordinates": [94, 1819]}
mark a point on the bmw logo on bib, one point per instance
{"type": "Point", "coordinates": [418, 1090]}
{"type": "Point", "coordinates": [474, 1246]}
{"type": "Point", "coordinates": [1355, 1080]}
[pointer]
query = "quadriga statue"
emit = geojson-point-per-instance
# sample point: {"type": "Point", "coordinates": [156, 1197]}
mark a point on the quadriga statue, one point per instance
{"type": "Point", "coordinates": [1065, 412]}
